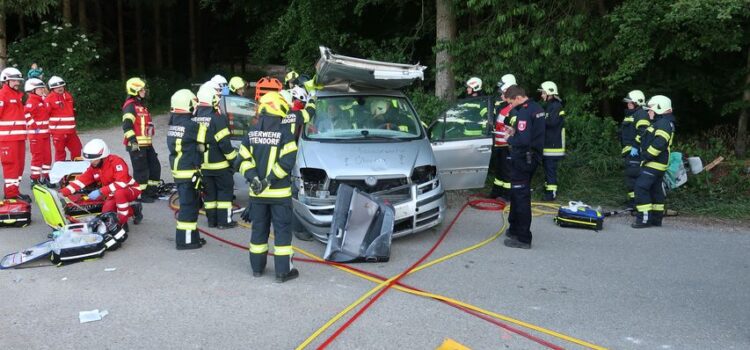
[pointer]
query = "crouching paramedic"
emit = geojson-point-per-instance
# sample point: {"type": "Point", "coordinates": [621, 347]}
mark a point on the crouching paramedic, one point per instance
{"type": "Point", "coordinates": [185, 139]}
{"type": "Point", "coordinates": [268, 155]}
{"type": "Point", "coordinates": [118, 187]}
{"type": "Point", "coordinates": [655, 149]}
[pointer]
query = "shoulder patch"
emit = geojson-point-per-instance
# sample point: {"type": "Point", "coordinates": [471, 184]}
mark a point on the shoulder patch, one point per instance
{"type": "Point", "coordinates": [521, 125]}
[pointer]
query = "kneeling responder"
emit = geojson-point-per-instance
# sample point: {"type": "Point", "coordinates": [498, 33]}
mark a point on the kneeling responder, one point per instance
{"type": "Point", "coordinates": [118, 187]}
{"type": "Point", "coordinates": [138, 132]}
{"type": "Point", "coordinates": [217, 171]}
{"type": "Point", "coordinates": [655, 148]}
{"type": "Point", "coordinates": [185, 140]}
{"type": "Point", "coordinates": [268, 155]}
{"type": "Point", "coordinates": [633, 126]}
{"type": "Point", "coordinates": [554, 138]}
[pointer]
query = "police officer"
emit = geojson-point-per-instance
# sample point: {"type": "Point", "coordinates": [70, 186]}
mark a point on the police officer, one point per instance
{"type": "Point", "coordinates": [633, 126]}
{"type": "Point", "coordinates": [217, 168]}
{"type": "Point", "coordinates": [554, 138]}
{"type": "Point", "coordinates": [268, 155]}
{"type": "Point", "coordinates": [185, 140]}
{"type": "Point", "coordinates": [655, 148]}
{"type": "Point", "coordinates": [237, 86]}
{"type": "Point", "coordinates": [526, 142]}
{"type": "Point", "coordinates": [138, 130]}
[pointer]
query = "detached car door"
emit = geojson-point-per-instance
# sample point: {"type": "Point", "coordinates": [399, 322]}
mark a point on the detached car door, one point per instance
{"type": "Point", "coordinates": [240, 111]}
{"type": "Point", "coordinates": [461, 139]}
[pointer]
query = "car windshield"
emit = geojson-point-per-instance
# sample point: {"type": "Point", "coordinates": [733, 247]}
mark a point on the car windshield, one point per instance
{"type": "Point", "coordinates": [363, 117]}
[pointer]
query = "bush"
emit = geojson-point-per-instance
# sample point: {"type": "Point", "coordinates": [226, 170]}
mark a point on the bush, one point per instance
{"type": "Point", "coordinates": [428, 105]}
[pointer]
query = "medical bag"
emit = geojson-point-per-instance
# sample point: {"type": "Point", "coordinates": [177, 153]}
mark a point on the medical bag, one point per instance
{"type": "Point", "coordinates": [579, 215]}
{"type": "Point", "coordinates": [14, 213]}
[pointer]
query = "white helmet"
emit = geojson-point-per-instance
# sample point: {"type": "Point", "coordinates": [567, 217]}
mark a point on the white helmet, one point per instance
{"type": "Point", "coordinates": [635, 96]}
{"type": "Point", "coordinates": [10, 73]}
{"type": "Point", "coordinates": [218, 79]}
{"type": "Point", "coordinates": [300, 93]}
{"type": "Point", "coordinates": [474, 83]}
{"type": "Point", "coordinates": [379, 107]}
{"type": "Point", "coordinates": [56, 82]}
{"type": "Point", "coordinates": [207, 93]}
{"type": "Point", "coordinates": [660, 104]}
{"type": "Point", "coordinates": [33, 84]}
{"type": "Point", "coordinates": [95, 149]}
{"type": "Point", "coordinates": [549, 88]}
{"type": "Point", "coordinates": [287, 95]}
{"type": "Point", "coordinates": [508, 80]}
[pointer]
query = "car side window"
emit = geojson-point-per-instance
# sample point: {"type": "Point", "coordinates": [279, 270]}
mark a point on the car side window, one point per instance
{"type": "Point", "coordinates": [466, 119]}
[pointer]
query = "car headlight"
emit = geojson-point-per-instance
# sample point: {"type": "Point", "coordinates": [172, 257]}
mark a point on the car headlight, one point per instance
{"type": "Point", "coordinates": [314, 182]}
{"type": "Point", "coordinates": [424, 173]}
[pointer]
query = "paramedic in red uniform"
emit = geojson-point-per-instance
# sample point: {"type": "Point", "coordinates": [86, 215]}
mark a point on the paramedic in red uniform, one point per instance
{"type": "Point", "coordinates": [111, 171]}
{"type": "Point", "coordinates": [12, 132]}
{"type": "Point", "coordinates": [37, 123]}
{"type": "Point", "coordinates": [62, 121]}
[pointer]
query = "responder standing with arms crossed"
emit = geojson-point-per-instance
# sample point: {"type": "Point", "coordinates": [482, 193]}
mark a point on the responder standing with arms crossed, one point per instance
{"type": "Point", "coordinates": [554, 138]}
{"type": "Point", "coordinates": [12, 132]}
{"type": "Point", "coordinates": [526, 142]}
{"type": "Point", "coordinates": [138, 130]}
{"type": "Point", "coordinates": [655, 150]}
{"type": "Point", "coordinates": [268, 156]}
{"type": "Point", "coordinates": [217, 170]}
{"type": "Point", "coordinates": [185, 139]}
{"type": "Point", "coordinates": [633, 126]}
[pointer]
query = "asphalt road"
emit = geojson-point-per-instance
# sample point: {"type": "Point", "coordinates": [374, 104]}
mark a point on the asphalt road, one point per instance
{"type": "Point", "coordinates": [682, 286]}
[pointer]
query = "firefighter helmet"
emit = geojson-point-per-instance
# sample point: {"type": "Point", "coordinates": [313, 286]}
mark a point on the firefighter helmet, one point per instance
{"type": "Point", "coordinates": [236, 83]}
{"type": "Point", "coordinates": [56, 82]}
{"type": "Point", "coordinates": [508, 80]}
{"type": "Point", "coordinates": [379, 107]}
{"type": "Point", "coordinates": [274, 104]}
{"type": "Point", "coordinates": [10, 73]}
{"type": "Point", "coordinates": [207, 93]}
{"type": "Point", "coordinates": [219, 79]}
{"type": "Point", "coordinates": [474, 83]}
{"type": "Point", "coordinates": [33, 84]}
{"type": "Point", "coordinates": [549, 88]}
{"type": "Point", "coordinates": [660, 104]}
{"type": "Point", "coordinates": [300, 93]}
{"type": "Point", "coordinates": [635, 96]}
{"type": "Point", "coordinates": [183, 101]}
{"type": "Point", "coordinates": [290, 77]}
{"type": "Point", "coordinates": [287, 95]}
{"type": "Point", "coordinates": [95, 149]}
{"type": "Point", "coordinates": [133, 86]}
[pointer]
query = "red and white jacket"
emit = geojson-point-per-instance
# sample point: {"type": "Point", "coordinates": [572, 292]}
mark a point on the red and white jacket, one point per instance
{"type": "Point", "coordinates": [113, 174]}
{"type": "Point", "coordinates": [37, 116]}
{"type": "Point", "coordinates": [62, 118]}
{"type": "Point", "coordinates": [12, 121]}
{"type": "Point", "coordinates": [501, 136]}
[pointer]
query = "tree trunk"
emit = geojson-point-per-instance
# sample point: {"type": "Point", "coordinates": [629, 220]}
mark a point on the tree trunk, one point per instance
{"type": "Point", "coordinates": [99, 17]}
{"type": "Point", "coordinates": [446, 34]}
{"type": "Point", "coordinates": [193, 41]}
{"type": "Point", "coordinates": [83, 19]}
{"type": "Point", "coordinates": [170, 43]}
{"type": "Point", "coordinates": [3, 41]}
{"type": "Point", "coordinates": [740, 146]}
{"type": "Point", "coordinates": [121, 40]}
{"type": "Point", "coordinates": [67, 12]}
{"type": "Point", "coordinates": [139, 38]}
{"type": "Point", "coordinates": [157, 36]}
{"type": "Point", "coordinates": [21, 26]}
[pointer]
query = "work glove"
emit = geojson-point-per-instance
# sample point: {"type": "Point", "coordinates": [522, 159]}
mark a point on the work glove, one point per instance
{"type": "Point", "coordinates": [245, 216]}
{"type": "Point", "coordinates": [634, 152]}
{"type": "Point", "coordinates": [258, 185]}
{"type": "Point", "coordinates": [134, 146]}
{"type": "Point", "coordinates": [95, 194]}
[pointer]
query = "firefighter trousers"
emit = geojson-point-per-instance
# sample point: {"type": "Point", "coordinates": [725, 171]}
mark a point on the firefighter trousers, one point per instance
{"type": "Point", "coordinates": [519, 219]}
{"type": "Point", "coordinates": [186, 233]}
{"type": "Point", "coordinates": [218, 186]}
{"type": "Point", "coordinates": [69, 142]}
{"type": "Point", "coordinates": [632, 171]}
{"type": "Point", "coordinates": [263, 216]}
{"type": "Point", "coordinates": [146, 168]}
{"type": "Point", "coordinates": [119, 202]}
{"type": "Point", "coordinates": [550, 172]}
{"type": "Point", "coordinates": [500, 166]}
{"type": "Point", "coordinates": [650, 195]}
{"type": "Point", "coordinates": [41, 156]}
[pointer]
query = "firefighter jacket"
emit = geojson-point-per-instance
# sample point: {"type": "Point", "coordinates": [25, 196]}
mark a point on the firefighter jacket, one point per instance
{"type": "Point", "coordinates": [473, 123]}
{"type": "Point", "coordinates": [183, 138]}
{"type": "Point", "coordinates": [219, 154]}
{"type": "Point", "coordinates": [62, 118]}
{"type": "Point", "coordinates": [633, 125]}
{"type": "Point", "coordinates": [269, 152]}
{"type": "Point", "coordinates": [499, 132]}
{"type": "Point", "coordinates": [12, 121]}
{"type": "Point", "coordinates": [300, 118]}
{"type": "Point", "coordinates": [657, 141]}
{"type": "Point", "coordinates": [137, 125]}
{"type": "Point", "coordinates": [528, 120]}
{"type": "Point", "coordinates": [554, 132]}
{"type": "Point", "coordinates": [113, 174]}
{"type": "Point", "coordinates": [37, 116]}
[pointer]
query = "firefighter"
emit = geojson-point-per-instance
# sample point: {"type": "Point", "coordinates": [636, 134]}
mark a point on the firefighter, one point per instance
{"type": "Point", "coordinates": [633, 126]}
{"type": "Point", "coordinates": [526, 139]}
{"type": "Point", "coordinates": [185, 140]}
{"type": "Point", "coordinates": [291, 80]}
{"type": "Point", "coordinates": [237, 86]}
{"type": "Point", "coordinates": [12, 132]}
{"type": "Point", "coordinates": [37, 123]}
{"type": "Point", "coordinates": [655, 149]}
{"type": "Point", "coordinates": [217, 170]}
{"type": "Point", "coordinates": [62, 121]}
{"type": "Point", "coordinates": [117, 186]}
{"type": "Point", "coordinates": [268, 155]}
{"type": "Point", "coordinates": [299, 98]}
{"type": "Point", "coordinates": [474, 87]}
{"type": "Point", "coordinates": [505, 82]}
{"type": "Point", "coordinates": [500, 163]}
{"type": "Point", "coordinates": [554, 137]}
{"type": "Point", "coordinates": [222, 82]}
{"type": "Point", "coordinates": [138, 131]}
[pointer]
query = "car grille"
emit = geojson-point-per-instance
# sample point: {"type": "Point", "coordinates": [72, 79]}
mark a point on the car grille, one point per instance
{"type": "Point", "coordinates": [382, 185]}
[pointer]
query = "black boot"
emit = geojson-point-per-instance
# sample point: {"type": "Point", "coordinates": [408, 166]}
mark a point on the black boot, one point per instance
{"type": "Point", "coordinates": [513, 242]}
{"type": "Point", "coordinates": [655, 218]}
{"type": "Point", "coordinates": [641, 220]}
{"type": "Point", "coordinates": [146, 198]}
{"type": "Point", "coordinates": [292, 274]}
{"type": "Point", "coordinates": [227, 225]}
{"type": "Point", "coordinates": [137, 213]}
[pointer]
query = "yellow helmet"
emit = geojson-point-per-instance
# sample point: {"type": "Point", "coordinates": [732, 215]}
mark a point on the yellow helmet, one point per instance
{"type": "Point", "coordinates": [291, 76]}
{"type": "Point", "coordinates": [274, 104]}
{"type": "Point", "coordinates": [134, 85]}
{"type": "Point", "coordinates": [236, 83]}
{"type": "Point", "coordinates": [183, 101]}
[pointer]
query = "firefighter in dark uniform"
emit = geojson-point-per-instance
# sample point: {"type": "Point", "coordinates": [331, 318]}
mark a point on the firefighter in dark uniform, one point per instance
{"type": "Point", "coordinates": [554, 138]}
{"type": "Point", "coordinates": [237, 86]}
{"type": "Point", "coordinates": [217, 171]}
{"type": "Point", "coordinates": [526, 142]}
{"type": "Point", "coordinates": [138, 133]}
{"type": "Point", "coordinates": [633, 126]}
{"type": "Point", "coordinates": [268, 155]}
{"type": "Point", "coordinates": [185, 140]}
{"type": "Point", "coordinates": [655, 148]}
